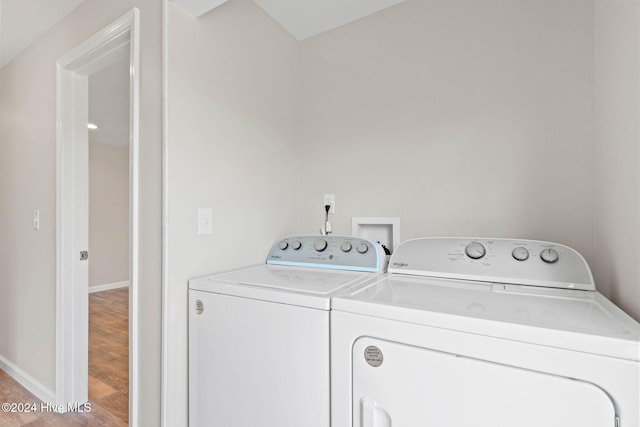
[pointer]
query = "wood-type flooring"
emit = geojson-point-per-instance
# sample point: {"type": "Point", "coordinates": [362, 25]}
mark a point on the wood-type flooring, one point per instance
{"type": "Point", "coordinates": [108, 372]}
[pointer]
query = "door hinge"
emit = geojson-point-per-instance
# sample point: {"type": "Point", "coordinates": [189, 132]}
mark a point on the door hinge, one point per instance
{"type": "Point", "coordinates": [84, 255]}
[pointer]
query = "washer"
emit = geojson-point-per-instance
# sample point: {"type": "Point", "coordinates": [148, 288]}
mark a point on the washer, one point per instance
{"type": "Point", "coordinates": [259, 336]}
{"type": "Point", "coordinates": [487, 333]}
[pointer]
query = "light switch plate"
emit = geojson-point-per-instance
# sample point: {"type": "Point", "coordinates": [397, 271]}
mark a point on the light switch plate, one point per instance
{"type": "Point", "coordinates": [205, 220]}
{"type": "Point", "coordinates": [36, 220]}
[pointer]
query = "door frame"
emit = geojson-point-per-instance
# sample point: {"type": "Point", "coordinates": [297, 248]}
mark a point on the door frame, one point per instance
{"type": "Point", "coordinates": [116, 41]}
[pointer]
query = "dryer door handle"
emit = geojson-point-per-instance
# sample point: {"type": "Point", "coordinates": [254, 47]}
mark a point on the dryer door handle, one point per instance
{"type": "Point", "coordinates": [372, 415]}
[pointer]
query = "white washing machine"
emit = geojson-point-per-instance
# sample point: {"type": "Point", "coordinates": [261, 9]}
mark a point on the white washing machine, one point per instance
{"type": "Point", "coordinates": [259, 336]}
{"type": "Point", "coordinates": [483, 333]}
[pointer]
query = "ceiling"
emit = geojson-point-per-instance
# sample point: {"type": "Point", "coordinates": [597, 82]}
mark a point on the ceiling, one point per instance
{"type": "Point", "coordinates": [302, 18]}
{"type": "Point", "coordinates": [24, 21]}
{"type": "Point", "coordinates": [307, 18]}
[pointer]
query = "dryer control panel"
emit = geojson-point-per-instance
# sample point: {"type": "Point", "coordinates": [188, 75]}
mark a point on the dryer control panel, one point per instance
{"type": "Point", "coordinates": [507, 261]}
{"type": "Point", "coordinates": [333, 252]}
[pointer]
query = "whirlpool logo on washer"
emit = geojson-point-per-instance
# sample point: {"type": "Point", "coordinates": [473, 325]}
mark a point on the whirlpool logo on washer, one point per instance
{"type": "Point", "coordinates": [400, 264]}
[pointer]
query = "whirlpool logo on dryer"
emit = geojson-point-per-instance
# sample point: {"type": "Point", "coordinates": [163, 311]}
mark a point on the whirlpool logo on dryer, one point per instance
{"type": "Point", "coordinates": [400, 264]}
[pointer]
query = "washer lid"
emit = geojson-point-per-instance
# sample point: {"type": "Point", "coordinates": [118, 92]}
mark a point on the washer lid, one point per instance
{"type": "Point", "coordinates": [303, 286]}
{"type": "Point", "coordinates": [572, 319]}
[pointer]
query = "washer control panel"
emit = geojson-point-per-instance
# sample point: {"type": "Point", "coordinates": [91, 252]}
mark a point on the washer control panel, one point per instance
{"type": "Point", "coordinates": [508, 261]}
{"type": "Point", "coordinates": [333, 252]}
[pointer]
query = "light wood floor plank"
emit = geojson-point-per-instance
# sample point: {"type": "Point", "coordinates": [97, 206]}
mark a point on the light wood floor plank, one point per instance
{"type": "Point", "coordinates": [108, 371]}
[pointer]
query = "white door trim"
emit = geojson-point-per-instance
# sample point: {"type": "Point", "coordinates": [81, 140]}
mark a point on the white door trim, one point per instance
{"type": "Point", "coordinates": [166, 411]}
{"type": "Point", "coordinates": [72, 318]}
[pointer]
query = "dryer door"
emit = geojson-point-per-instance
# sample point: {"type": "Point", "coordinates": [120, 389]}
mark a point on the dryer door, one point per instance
{"type": "Point", "coordinates": [406, 386]}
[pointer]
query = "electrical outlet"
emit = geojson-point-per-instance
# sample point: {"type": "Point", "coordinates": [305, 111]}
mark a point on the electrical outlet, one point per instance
{"type": "Point", "coordinates": [205, 221]}
{"type": "Point", "coordinates": [330, 199]}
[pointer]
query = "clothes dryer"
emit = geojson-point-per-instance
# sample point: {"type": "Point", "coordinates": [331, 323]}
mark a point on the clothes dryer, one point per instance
{"type": "Point", "coordinates": [485, 333]}
{"type": "Point", "coordinates": [259, 336]}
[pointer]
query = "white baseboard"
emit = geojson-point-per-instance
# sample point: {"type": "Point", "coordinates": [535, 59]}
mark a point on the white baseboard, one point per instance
{"type": "Point", "coordinates": [108, 287]}
{"type": "Point", "coordinates": [27, 381]}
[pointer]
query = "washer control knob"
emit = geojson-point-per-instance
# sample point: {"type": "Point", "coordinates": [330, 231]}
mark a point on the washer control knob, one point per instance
{"type": "Point", "coordinates": [296, 244]}
{"type": "Point", "coordinates": [362, 248]}
{"type": "Point", "coordinates": [320, 245]}
{"type": "Point", "coordinates": [345, 246]}
{"type": "Point", "coordinates": [283, 245]}
{"type": "Point", "coordinates": [520, 253]}
{"type": "Point", "coordinates": [549, 255]}
{"type": "Point", "coordinates": [475, 250]}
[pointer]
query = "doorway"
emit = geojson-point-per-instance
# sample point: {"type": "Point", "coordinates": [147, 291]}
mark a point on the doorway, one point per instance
{"type": "Point", "coordinates": [108, 276]}
{"type": "Point", "coordinates": [118, 42]}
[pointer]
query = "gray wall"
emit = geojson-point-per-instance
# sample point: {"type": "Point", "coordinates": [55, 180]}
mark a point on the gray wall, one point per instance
{"type": "Point", "coordinates": [108, 214]}
{"type": "Point", "coordinates": [232, 77]}
{"type": "Point", "coordinates": [28, 182]}
{"type": "Point", "coordinates": [463, 118]}
{"type": "Point", "coordinates": [617, 164]}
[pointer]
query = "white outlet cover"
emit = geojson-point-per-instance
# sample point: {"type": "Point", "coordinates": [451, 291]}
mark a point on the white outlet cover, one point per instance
{"type": "Point", "coordinates": [330, 199]}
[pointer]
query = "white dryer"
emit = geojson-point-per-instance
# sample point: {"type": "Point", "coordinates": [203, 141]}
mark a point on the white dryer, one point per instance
{"type": "Point", "coordinates": [483, 333]}
{"type": "Point", "coordinates": [259, 336]}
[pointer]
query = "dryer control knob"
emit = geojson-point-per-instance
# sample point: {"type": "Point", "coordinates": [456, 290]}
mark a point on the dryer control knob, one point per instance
{"type": "Point", "coordinates": [283, 245]}
{"type": "Point", "coordinates": [520, 253]}
{"type": "Point", "coordinates": [296, 244]}
{"type": "Point", "coordinates": [320, 245]}
{"type": "Point", "coordinates": [549, 255]}
{"type": "Point", "coordinates": [345, 246]}
{"type": "Point", "coordinates": [362, 248]}
{"type": "Point", "coordinates": [475, 250]}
